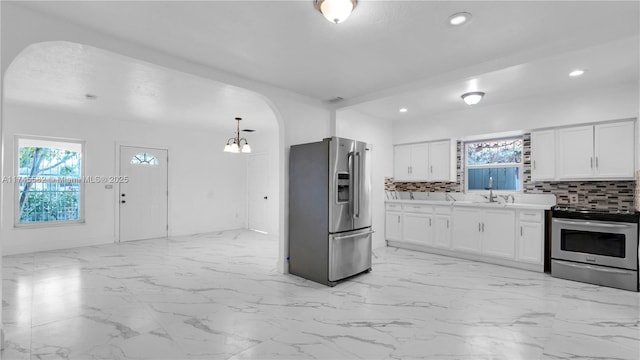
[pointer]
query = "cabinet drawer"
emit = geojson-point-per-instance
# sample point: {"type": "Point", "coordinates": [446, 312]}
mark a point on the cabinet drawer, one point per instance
{"type": "Point", "coordinates": [528, 215]}
{"type": "Point", "coordinates": [444, 210]}
{"type": "Point", "coordinates": [394, 207]}
{"type": "Point", "coordinates": [423, 209]}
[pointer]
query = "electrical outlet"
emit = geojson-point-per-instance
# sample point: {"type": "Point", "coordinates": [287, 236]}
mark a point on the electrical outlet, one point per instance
{"type": "Point", "coordinates": [573, 198]}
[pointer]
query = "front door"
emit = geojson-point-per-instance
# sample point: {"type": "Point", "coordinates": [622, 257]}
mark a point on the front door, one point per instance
{"type": "Point", "coordinates": [143, 196]}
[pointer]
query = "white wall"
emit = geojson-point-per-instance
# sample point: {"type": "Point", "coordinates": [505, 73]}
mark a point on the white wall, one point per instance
{"type": "Point", "coordinates": [545, 111]}
{"type": "Point", "coordinates": [377, 132]}
{"type": "Point", "coordinates": [207, 187]}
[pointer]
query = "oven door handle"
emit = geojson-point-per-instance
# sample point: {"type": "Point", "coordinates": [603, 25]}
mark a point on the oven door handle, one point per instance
{"type": "Point", "coordinates": [599, 268]}
{"type": "Point", "coordinates": [590, 223]}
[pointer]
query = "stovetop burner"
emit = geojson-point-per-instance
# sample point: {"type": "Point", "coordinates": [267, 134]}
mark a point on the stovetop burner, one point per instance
{"type": "Point", "coordinates": [617, 215]}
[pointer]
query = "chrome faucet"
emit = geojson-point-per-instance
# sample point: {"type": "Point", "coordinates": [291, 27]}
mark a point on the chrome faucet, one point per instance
{"type": "Point", "coordinates": [411, 195]}
{"type": "Point", "coordinates": [492, 198]}
{"type": "Point", "coordinates": [506, 198]}
{"type": "Point", "coordinates": [448, 197]}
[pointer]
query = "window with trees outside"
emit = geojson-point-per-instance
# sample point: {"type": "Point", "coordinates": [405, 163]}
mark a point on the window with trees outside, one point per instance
{"type": "Point", "coordinates": [49, 184]}
{"type": "Point", "coordinates": [499, 160]}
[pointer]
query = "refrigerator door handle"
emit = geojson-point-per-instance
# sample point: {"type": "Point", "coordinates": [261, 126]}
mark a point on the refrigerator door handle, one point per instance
{"type": "Point", "coordinates": [356, 181]}
{"type": "Point", "coordinates": [350, 161]}
{"type": "Point", "coordinates": [353, 235]}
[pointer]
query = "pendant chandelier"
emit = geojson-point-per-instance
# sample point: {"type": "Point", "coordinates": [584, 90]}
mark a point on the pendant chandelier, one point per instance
{"type": "Point", "coordinates": [235, 144]}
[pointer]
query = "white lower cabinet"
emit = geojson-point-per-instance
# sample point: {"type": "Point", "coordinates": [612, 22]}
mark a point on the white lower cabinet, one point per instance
{"type": "Point", "coordinates": [511, 237]}
{"type": "Point", "coordinates": [393, 225]}
{"type": "Point", "coordinates": [466, 232]}
{"type": "Point", "coordinates": [489, 232]}
{"type": "Point", "coordinates": [530, 237]}
{"type": "Point", "coordinates": [418, 228]}
{"type": "Point", "coordinates": [442, 231]}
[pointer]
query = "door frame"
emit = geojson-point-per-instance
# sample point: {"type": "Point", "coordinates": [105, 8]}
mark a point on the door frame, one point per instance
{"type": "Point", "coordinates": [116, 187]}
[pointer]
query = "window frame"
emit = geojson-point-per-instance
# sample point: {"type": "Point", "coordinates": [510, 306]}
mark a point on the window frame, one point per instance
{"type": "Point", "coordinates": [519, 165]}
{"type": "Point", "coordinates": [16, 188]}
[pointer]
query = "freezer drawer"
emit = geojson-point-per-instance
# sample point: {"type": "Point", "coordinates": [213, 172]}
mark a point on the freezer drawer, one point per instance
{"type": "Point", "coordinates": [349, 253]}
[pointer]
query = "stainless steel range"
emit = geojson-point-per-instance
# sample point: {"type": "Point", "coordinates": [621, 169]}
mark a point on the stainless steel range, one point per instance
{"type": "Point", "coordinates": [597, 247]}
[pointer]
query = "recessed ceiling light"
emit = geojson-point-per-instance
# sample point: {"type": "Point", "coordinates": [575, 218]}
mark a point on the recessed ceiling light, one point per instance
{"type": "Point", "coordinates": [576, 72]}
{"type": "Point", "coordinates": [459, 18]}
{"type": "Point", "coordinates": [403, 110]}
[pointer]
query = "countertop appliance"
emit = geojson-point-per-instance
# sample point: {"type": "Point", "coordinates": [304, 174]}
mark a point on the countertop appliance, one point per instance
{"type": "Point", "coordinates": [597, 247]}
{"type": "Point", "coordinates": [329, 210]}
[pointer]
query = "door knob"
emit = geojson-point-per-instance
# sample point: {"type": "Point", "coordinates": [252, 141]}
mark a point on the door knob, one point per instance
{"type": "Point", "coordinates": [123, 201]}
{"type": "Point", "coordinates": [121, 194]}
{"type": "Point", "coordinates": [265, 198]}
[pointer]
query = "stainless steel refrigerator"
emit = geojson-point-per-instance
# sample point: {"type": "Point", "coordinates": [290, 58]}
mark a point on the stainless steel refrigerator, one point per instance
{"type": "Point", "coordinates": [329, 210]}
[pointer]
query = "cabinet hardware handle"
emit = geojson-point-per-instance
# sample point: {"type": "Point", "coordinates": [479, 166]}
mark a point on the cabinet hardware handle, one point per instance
{"type": "Point", "coordinates": [429, 221]}
{"type": "Point", "coordinates": [596, 162]}
{"type": "Point", "coordinates": [431, 168]}
{"type": "Point", "coordinates": [591, 160]}
{"type": "Point", "coordinates": [482, 227]}
{"type": "Point", "coordinates": [534, 164]}
{"type": "Point", "coordinates": [447, 223]}
{"type": "Point", "coordinates": [479, 227]}
{"type": "Point", "coordinates": [398, 219]}
{"type": "Point", "coordinates": [520, 230]}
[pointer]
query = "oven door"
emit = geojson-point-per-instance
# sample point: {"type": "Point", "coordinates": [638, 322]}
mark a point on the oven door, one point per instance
{"type": "Point", "coordinates": [605, 243]}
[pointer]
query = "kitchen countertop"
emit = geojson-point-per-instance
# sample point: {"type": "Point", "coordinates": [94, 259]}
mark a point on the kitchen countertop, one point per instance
{"type": "Point", "coordinates": [494, 205]}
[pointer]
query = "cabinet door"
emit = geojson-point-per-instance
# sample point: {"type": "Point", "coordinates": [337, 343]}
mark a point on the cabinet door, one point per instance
{"type": "Point", "coordinates": [442, 231]}
{"type": "Point", "coordinates": [575, 152]}
{"type": "Point", "coordinates": [440, 161]}
{"type": "Point", "coordinates": [543, 155]}
{"type": "Point", "coordinates": [418, 228]}
{"type": "Point", "coordinates": [530, 242]}
{"type": "Point", "coordinates": [614, 150]}
{"type": "Point", "coordinates": [465, 233]}
{"type": "Point", "coordinates": [498, 233]}
{"type": "Point", "coordinates": [393, 226]}
{"type": "Point", "coordinates": [401, 162]}
{"type": "Point", "coordinates": [419, 162]}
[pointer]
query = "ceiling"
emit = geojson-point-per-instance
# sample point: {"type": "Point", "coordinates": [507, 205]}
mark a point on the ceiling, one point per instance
{"type": "Point", "coordinates": [388, 53]}
{"type": "Point", "coordinates": [67, 75]}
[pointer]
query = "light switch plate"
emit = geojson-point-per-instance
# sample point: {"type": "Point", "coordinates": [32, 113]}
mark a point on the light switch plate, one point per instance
{"type": "Point", "coordinates": [573, 198]}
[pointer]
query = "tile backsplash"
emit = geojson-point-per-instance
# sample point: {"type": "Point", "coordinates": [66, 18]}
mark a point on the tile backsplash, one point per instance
{"type": "Point", "coordinates": [591, 194]}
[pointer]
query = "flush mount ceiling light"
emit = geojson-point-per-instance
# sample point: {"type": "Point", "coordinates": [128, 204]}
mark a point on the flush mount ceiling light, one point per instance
{"type": "Point", "coordinates": [335, 11]}
{"type": "Point", "coordinates": [472, 98]}
{"type": "Point", "coordinates": [459, 18]}
{"type": "Point", "coordinates": [576, 72]}
{"type": "Point", "coordinates": [235, 145]}
{"type": "Point", "coordinates": [403, 110]}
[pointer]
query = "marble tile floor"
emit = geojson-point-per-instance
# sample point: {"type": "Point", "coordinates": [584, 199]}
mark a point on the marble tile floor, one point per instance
{"type": "Point", "coordinates": [219, 296]}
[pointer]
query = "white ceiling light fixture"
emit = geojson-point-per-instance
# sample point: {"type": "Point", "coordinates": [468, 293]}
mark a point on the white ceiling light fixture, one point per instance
{"type": "Point", "coordinates": [576, 72]}
{"type": "Point", "coordinates": [403, 110]}
{"type": "Point", "coordinates": [472, 98]}
{"type": "Point", "coordinates": [460, 18]}
{"type": "Point", "coordinates": [235, 144]}
{"type": "Point", "coordinates": [335, 11]}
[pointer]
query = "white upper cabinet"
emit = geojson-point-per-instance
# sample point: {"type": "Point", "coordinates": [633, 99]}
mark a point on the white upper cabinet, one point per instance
{"type": "Point", "coordinates": [543, 155]}
{"type": "Point", "coordinates": [423, 162]}
{"type": "Point", "coordinates": [591, 152]}
{"type": "Point", "coordinates": [440, 161]}
{"type": "Point", "coordinates": [419, 161]}
{"type": "Point", "coordinates": [575, 152]}
{"type": "Point", "coordinates": [402, 162]}
{"type": "Point", "coordinates": [614, 149]}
